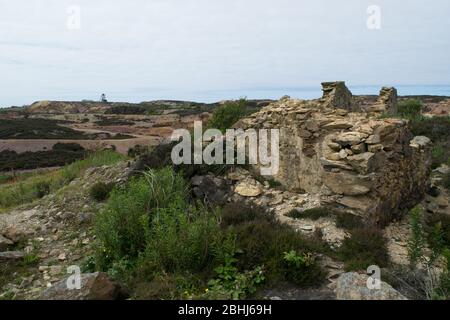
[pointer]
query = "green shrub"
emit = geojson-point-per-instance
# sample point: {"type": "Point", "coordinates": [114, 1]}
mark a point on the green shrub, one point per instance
{"type": "Point", "coordinates": [151, 219]}
{"type": "Point", "coordinates": [232, 284]}
{"type": "Point", "coordinates": [443, 221]}
{"type": "Point", "coordinates": [410, 108]}
{"type": "Point", "coordinates": [5, 178]}
{"type": "Point", "coordinates": [313, 214]}
{"type": "Point", "coordinates": [435, 128]}
{"type": "Point", "coordinates": [442, 291]}
{"type": "Point", "coordinates": [101, 191]}
{"type": "Point", "coordinates": [344, 219]}
{"type": "Point", "coordinates": [301, 268]}
{"type": "Point", "coordinates": [438, 130]}
{"type": "Point", "coordinates": [416, 242]}
{"type": "Point", "coordinates": [42, 189]}
{"type": "Point", "coordinates": [182, 239]}
{"type": "Point", "coordinates": [235, 213]}
{"type": "Point", "coordinates": [123, 226]}
{"type": "Point", "coordinates": [365, 247]}
{"type": "Point", "coordinates": [436, 242]}
{"type": "Point", "coordinates": [227, 115]}
{"type": "Point", "coordinates": [438, 156]}
{"type": "Point", "coordinates": [263, 242]}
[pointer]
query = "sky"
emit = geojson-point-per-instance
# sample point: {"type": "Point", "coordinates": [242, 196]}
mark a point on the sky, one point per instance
{"type": "Point", "coordinates": [207, 50]}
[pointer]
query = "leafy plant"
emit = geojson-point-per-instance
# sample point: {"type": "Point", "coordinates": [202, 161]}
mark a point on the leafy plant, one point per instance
{"type": "Point", "coordinates": [410, 108]}
{"type": "Point", "coordinates": [100, 191]}
{"type": "Point", "coordinates": [227, 115]}
{"type": "Point", "coordinates": [365, 247]}
{"type": "Point", "coordinates": [42, 189]}
{"type": "Point", "coordinates": [232, 284]}
{"type": "Point", "coordinates": [416, 242]}
{"type": "Point", "coordinates": [442, 291]}
{"type": "Point", "coordinates": [301, 268]}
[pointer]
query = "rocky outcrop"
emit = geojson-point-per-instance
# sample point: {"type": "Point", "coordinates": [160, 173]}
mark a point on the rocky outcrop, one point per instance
{"type": "Point", "coordinates": [371, 166]}
{"type": "Point", "coordinates": [353, 286]}
{"type": "Point", "coordinates": [94, 286]}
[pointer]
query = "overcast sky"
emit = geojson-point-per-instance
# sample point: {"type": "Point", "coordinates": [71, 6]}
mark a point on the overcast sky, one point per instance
{"type": "Point", "coordinates": [135, 50]}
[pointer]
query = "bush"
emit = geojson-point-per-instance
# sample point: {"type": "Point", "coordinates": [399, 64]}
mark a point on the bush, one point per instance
{"type": "Point", "coordinates": [416, 242]}
{"type": "Point", "coordinates": [232, 284]}
{"type": "Point", "coordinates": [123, 226]}
{"type": "Point", "coordinates": [344, 219]}
{"type": "Point", "coordinates": [301, 268]}
{"type": "Point", "coordinates": [182, 239]}
{"type": "Point", "coordinates": [313, 214]}
{"type": "Point", "coordinates": [235, 213]}
{"type": "Point", "coordinates": [438, 130]}
{"type": "Point", "coordinates": [365, 247]}
{"type": "Point", "coordinates": [42, 189]}
{"type": "Point", "coordinates": [5, 178]}
{"type": "Point", "coordinates": [410, 108]}
{"type": "Point", "coordinates": [100, 191]}
{"type": "Point", "coordinates": [227, 115]}
{"type": "Point", "coordinates": [443, 220]}
{"type": "Point", "coordinates": [442, 291]}
{"type": "Point", "coordinates": [262, 241]}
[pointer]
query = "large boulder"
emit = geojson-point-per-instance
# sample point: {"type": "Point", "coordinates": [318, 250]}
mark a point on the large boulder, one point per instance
{"type": "Point", "coordinates": [353, 286]}
{"type": "Point", "coordinates": [210, 189]}
{"type": "Point", "coordinates": [94, 286]}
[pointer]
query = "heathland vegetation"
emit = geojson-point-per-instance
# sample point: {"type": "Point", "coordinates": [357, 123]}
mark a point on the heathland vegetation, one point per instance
{"type": "Point", "coordinates": [17, 189]}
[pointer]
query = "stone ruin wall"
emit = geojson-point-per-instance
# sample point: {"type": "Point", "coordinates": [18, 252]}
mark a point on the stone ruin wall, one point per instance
{"type": "Point", "coordinates": [354, 159]}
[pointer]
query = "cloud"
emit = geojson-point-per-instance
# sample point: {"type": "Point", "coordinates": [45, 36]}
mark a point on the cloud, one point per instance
{"type": "Point", "coordinates": [179, 48]}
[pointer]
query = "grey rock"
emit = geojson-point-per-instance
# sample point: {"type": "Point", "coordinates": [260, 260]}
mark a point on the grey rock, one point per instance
{"type": "Point", "coordinates": [94, 286]}
{"type": "Point", "coordinates": [353, 286]}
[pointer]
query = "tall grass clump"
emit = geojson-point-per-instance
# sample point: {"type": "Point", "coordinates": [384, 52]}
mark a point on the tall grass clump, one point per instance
{"type": "Point", "coordinates": [123, 226]}
{"type": "Point", "coordinates": [150, 228]}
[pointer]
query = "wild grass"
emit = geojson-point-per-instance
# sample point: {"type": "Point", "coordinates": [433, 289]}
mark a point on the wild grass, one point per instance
{"type": "Point", "coordinates": [29, 187]}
